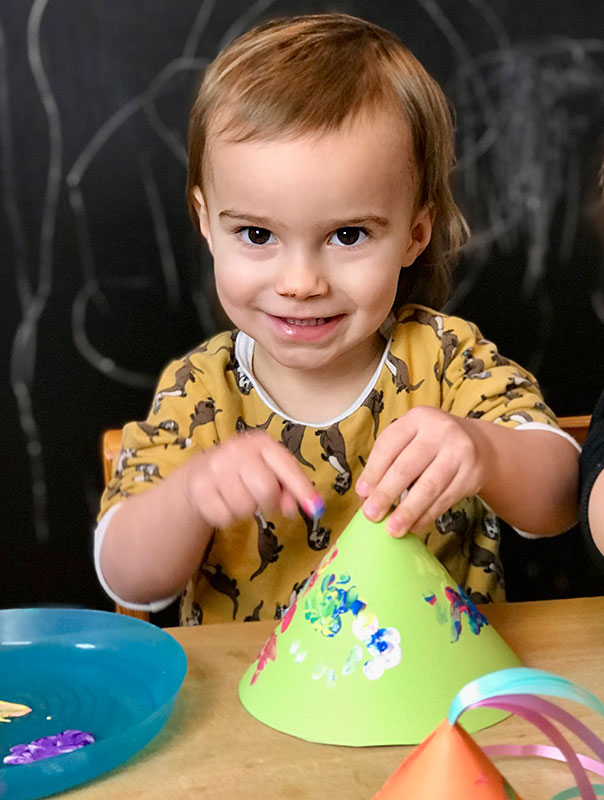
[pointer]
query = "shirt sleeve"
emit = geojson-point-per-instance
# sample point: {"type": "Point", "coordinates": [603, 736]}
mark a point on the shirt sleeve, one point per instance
{"type": "Point", "coordinates": [99, 536]}
{"type": "Point", "coordinates": [181, 420]}
{"type": "Point", "coordinates": [479, 382]}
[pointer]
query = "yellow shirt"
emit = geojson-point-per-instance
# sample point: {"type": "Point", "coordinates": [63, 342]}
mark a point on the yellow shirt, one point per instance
{"type": "Point", "coordinates": [253, 569]}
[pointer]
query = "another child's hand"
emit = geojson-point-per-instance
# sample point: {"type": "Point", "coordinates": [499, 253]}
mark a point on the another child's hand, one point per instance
{"type": "Point", "coordinates": [247, 473]}
{"type": "Point", "coordinates": [434, 455]}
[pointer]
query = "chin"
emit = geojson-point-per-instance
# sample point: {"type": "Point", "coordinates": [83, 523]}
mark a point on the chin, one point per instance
{"type": "Point", "coordinates": [309, 362]}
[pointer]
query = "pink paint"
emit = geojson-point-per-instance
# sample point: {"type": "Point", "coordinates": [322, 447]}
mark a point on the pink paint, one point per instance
{"type": "Point", "coordinates": [314, 506]}
{"type": "Point", "coordinates": [267, 653]}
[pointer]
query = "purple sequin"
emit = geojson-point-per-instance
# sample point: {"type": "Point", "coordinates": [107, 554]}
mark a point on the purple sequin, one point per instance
{"type": "Point", "coordinates": [48, 746]}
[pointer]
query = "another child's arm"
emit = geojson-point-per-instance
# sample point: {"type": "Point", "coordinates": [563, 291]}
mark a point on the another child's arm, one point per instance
{"type": "Point", "coordinates": [157, 538]}
{"type": "Point", "coordinates": [595, 512]}
{"type": "Point", "coordinates": [528, 477]}
{"type": "Point", "coordinates": [592, 478]}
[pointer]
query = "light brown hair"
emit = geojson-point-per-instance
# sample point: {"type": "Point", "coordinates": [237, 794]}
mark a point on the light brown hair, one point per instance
{"type": "Point", "coordinates": [311, 73]}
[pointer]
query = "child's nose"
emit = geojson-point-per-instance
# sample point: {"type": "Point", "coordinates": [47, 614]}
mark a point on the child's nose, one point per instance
{"type": "Point", "coordinates": [301, 278]}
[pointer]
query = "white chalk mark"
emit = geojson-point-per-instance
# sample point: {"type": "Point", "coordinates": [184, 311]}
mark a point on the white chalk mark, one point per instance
{"type": "Point", "coordinates": [162, 234]}
{"type": "Point", "coordinates": [103, 364]}
{"type": "Point", "coordinates": [198, 28]}
{"type": "Point", "coordinates": [92, 286]}
{"type": "Point", "coordinates": [529, 174]}
{"type": "Point", "coordinates": [9, 189]}
{"type": "Point", "coordinates": [245, 21]}
{"type": "Point", "coordinates": [173, 139]}
{"type": "Point", "coordinates": [24, 351]}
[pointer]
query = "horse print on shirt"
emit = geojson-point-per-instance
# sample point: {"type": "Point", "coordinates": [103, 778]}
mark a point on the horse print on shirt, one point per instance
{"type": "Point", "coordinates": [220, 582]}
{"type": "Point", "coordinates": [148, 473]}
{"type": "Point", "coordinates": [448, 339]}
{"type": "Point", "coordinates": [244, 384]}
{"type": "Point", "coordinates": [317, 537]}
{"type": "Point", "coordinates": [241, 425]}
{"type": "Point", "coordinates": [491, 528]}
{"type": "Point", "coordinates": [196, 617]}
{"type": "Point", "coordinates": [334, 451]}
{"type": "Point", "coordinates": [122, 460]}
{"type": "Point", "coordinates": [452, 521]}
{"type": "Point", "coordinates": [169, 425]}
{"type": "Point", "coordinates": [375, 403]}
{"type": "Point", "coordinates": [292, 435]}
{"type": "Point", "coordinates": [255, 615]}
{"type": "Point", "coordinates": [204, 412]}
{"type": "Point", "coordinates": [400, 374]}
{"type": "Point", "coordinates": [473, 367]}
{"type": "Point", "coordinates": [186, 373]}
{"type": "Point", "coordinates": [515, 416]}
{"type": "Point", "coordinates": [449, 345]}
{"type": "Point", "coordinates": [268, 544]}
{"type": "Point", "coordinates": [489, 562]}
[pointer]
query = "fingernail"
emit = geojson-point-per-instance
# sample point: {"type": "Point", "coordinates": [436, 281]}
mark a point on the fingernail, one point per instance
{"type": "Point", "coordinates": [314, 506]}
{"type": "Point", "coordinates": [371, 511]}
{"type": "Point", "coordinates": [394, 528]}
{"type": "Point", "coordinates": [362, 487]}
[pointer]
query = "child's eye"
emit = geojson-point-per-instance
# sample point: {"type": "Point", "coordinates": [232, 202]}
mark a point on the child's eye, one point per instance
{"type": "Point", "coordinates": [347, 237]}
{"type": "Point", "coordinates": [256, 236]}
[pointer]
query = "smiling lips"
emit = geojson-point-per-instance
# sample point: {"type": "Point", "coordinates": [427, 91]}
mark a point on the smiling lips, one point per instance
{"type": "Point", "coordinates": [312, 322]}
{"type": "Point", "coordinates": [305, 329]}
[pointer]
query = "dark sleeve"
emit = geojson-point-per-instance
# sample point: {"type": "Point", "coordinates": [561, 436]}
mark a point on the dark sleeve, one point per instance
{"type": "Point", "coordinates": [592, 460]}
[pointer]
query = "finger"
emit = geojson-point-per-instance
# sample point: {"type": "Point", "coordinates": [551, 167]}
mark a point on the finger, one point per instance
{"type": "Point", "coordinates": [263, 484]}
{"type": "Point", "coordinates": [292, 478]}
{"type": "Point", "coordinates": [240, 500]}
{"type": "Point", "coordinates": [387, 447]}
{"type": "Point", "coordinates": [446, 501]}
{"type": "Point", "coordinates": [215, 509]}
{"type": "Point", "coordinates": [288, 505]}
{"type": "Point", "coordinates": [431, 489]}
{"type": "Point", "coordinates": [409, 465]}
{"type": "Point", "coordinates": [223, 495]}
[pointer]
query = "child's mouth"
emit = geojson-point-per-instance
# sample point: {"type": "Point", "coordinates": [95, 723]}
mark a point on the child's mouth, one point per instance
{"type": "Point", "coordinates": [305, 329]}
{"type": "Point", "coordinates": [306, 322]}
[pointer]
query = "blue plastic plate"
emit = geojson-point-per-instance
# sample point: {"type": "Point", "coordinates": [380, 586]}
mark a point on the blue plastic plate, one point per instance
{"type": "Point", "coordinates": [114, 676]}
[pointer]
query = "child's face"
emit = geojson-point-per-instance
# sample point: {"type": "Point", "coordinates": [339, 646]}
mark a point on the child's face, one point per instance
{"type": "Point", "coordinates": [309, 235]}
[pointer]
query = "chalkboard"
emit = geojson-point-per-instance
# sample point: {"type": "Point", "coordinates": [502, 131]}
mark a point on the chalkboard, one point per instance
{"type": "Point", "coordinates": [103, 279]}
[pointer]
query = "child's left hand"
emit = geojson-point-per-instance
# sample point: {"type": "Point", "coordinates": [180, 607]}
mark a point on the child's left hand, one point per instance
{"type": "Point", "coordinates": [437, 457]}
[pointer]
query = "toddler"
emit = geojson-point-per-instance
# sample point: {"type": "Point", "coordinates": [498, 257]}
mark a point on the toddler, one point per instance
{"type": "Point", "coordinates": [319, 161]}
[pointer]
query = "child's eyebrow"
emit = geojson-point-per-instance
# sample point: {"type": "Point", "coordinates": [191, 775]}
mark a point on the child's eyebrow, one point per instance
{"type": "Point", "coordinates": [232, 213]}
{"type": "Point", "coordinates": [356, 222]}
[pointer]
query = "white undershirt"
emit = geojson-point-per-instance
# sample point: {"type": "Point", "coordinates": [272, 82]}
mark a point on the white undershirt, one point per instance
{"type": "Point", "coordinates": [244, 353]}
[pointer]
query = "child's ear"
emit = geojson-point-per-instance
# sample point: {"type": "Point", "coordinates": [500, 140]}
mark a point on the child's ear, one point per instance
{"type": "Point", "coordinates": [202, 212]}
{"type": "Point", "coordinates": [419, 234]}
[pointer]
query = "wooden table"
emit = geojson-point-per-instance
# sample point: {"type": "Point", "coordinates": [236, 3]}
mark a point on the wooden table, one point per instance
{"type": "Point", "coordinates": [212, 748]}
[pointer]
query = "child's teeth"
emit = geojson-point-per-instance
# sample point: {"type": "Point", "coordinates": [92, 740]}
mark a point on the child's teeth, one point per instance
{"type": "Point", "coordinates": [311, 322]}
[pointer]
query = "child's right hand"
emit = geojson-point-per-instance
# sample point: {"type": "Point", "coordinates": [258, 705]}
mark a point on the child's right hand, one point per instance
{"type": "Point", "coordinates": [249, 472]}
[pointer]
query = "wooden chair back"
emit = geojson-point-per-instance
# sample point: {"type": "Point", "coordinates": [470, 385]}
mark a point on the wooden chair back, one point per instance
{"type": "Point", "coordinates": [110, 449]}
{"type": "Point", "coordinates": [576, 426]}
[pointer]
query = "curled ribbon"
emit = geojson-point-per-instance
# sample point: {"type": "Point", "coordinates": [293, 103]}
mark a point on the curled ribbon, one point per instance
{"type": "Point", "coordinates": [514, 690]}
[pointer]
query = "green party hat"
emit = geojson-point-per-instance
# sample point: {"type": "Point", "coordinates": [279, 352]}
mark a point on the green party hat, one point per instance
{"type": "Point", "coordinates": [374, 649]}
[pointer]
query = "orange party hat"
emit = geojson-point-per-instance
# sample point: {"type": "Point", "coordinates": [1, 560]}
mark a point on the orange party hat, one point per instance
{"type": "Point", "coordinates": [450, 764]}
{"type": "Point", "coordinates": [447, 764]}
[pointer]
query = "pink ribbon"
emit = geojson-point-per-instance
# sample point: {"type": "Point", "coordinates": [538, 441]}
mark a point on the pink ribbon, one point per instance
{"type": "Point", "coordinates": [536, 710]}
